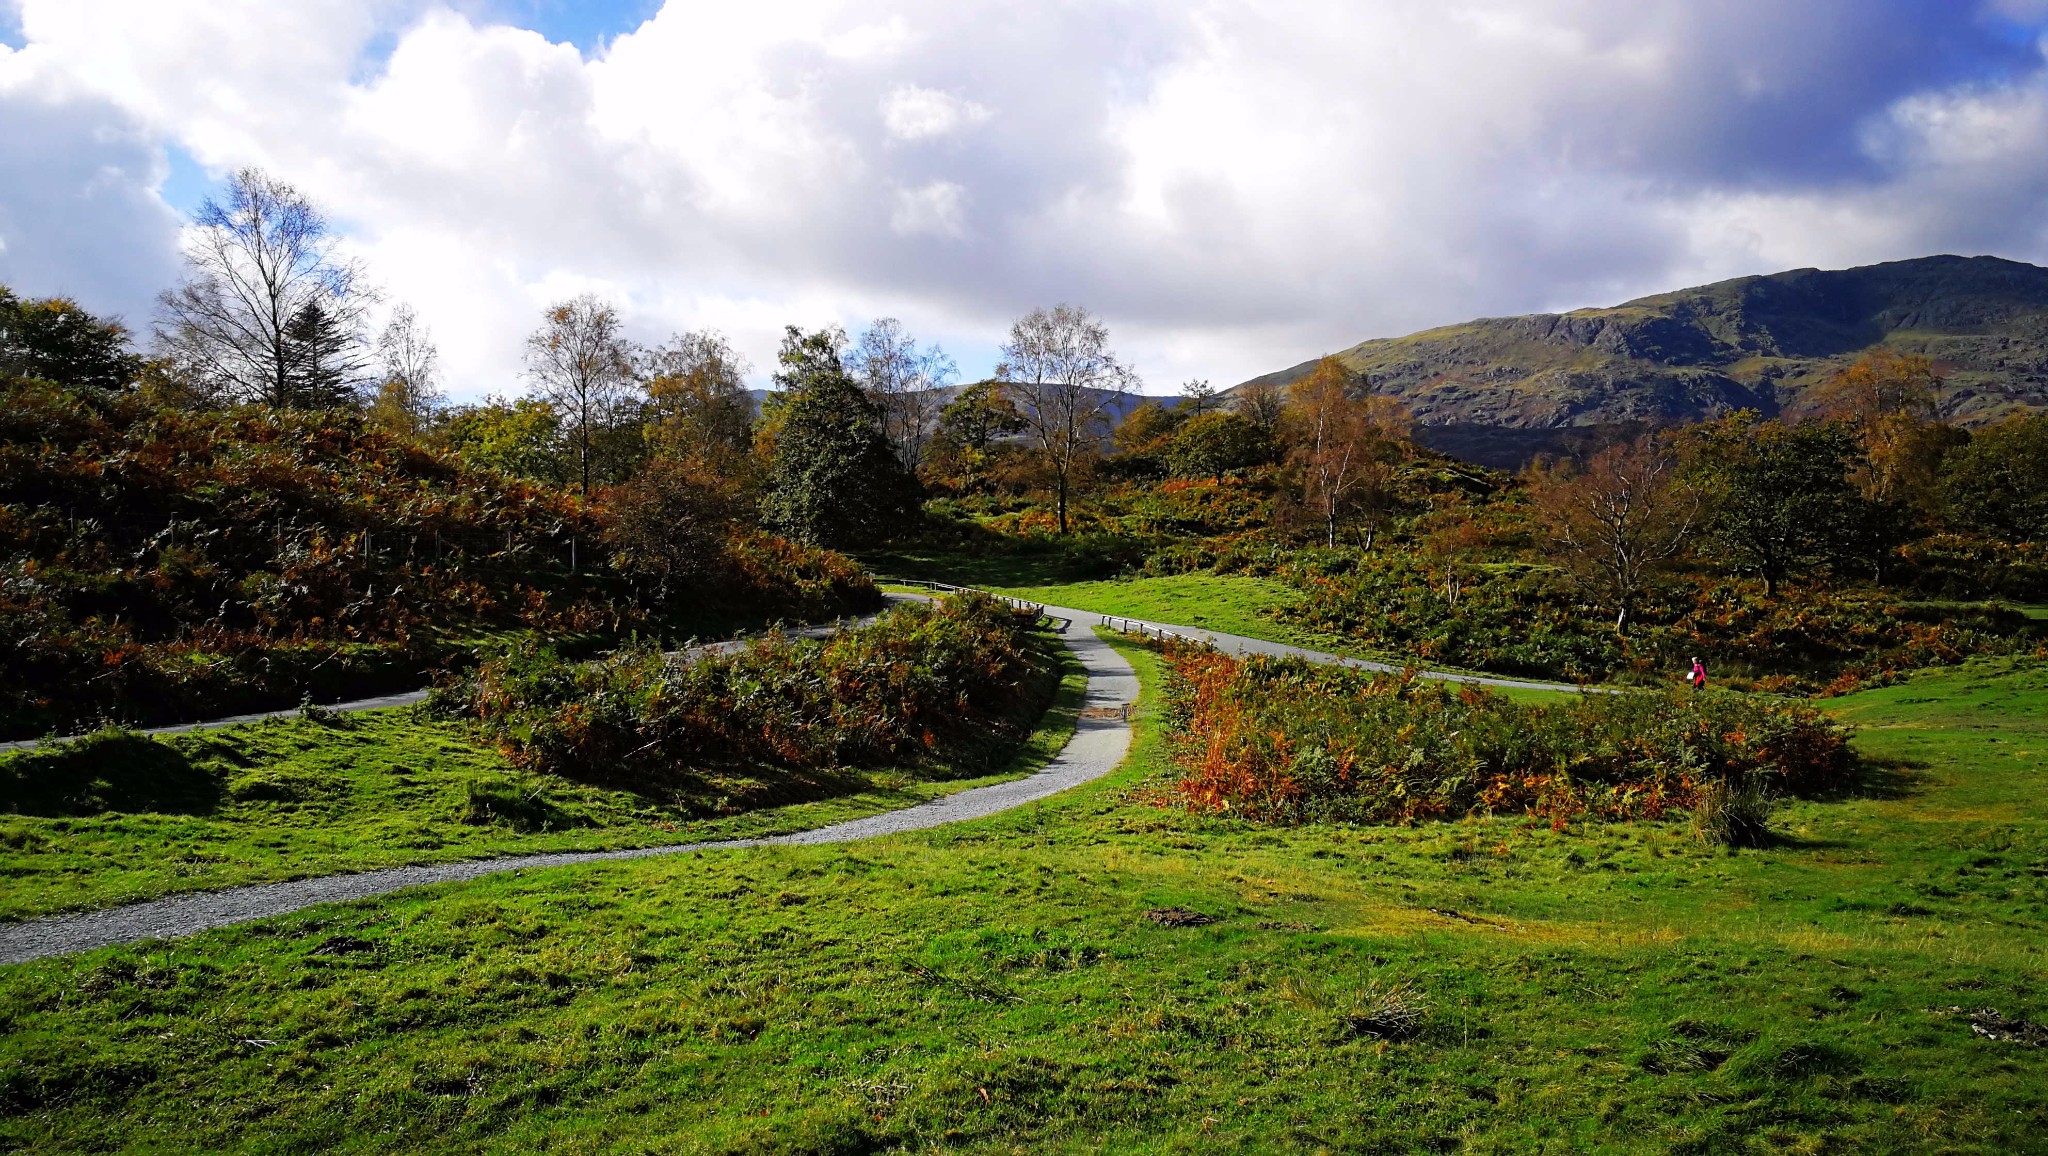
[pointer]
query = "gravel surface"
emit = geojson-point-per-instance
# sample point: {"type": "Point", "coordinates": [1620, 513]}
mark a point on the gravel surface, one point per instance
{"type": "Point", "coordinates": [1101, 737]}
{"type": "Point", "coordinates": [1240, 645]}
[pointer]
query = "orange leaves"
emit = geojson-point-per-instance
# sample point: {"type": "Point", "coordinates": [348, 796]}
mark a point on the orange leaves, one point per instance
{"type": "Point", "coordinates": [919, 682]}
{"type": "Point", "coordinates": [1285, 741]}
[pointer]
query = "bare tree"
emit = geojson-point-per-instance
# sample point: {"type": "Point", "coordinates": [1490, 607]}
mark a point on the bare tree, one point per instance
{"type": "Point", "coordinates": [1261, 403]}
{"type": "Point", "coordinates": [1058, 369]}
{"type": "Point", "coordinates": [268, 311]}
{"type": "Point", "coordinates": [908, 383]}
{"type": "Point", "coordinates": [1618, 518]}
{"type": "Point", "coordinates": [582, 365]}
{"type": "Point", "coordinates": [411, 390]}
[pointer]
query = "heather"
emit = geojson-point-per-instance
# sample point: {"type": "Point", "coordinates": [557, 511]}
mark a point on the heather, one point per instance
{"type": "Point", "coordinates": [1289, 741]}
{"type": "Point", "coordinates": [921, 683]}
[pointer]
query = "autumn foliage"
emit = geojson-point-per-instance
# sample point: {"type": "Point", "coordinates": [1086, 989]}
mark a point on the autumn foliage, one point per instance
{"type": "Point", "coordinates": [1290, 741]}
{"type": "Point", "coordinates": [166, 564]}
{"type": "Point", "coordinates": [921, 682]}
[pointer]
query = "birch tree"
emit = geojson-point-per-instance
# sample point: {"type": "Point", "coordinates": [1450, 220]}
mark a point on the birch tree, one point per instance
{"type": "Point", "coordinates": [269, 311]}
{"type": "Point", "coordinates": [1067, 385]}
{"type": "Point", "coordinates": [581, 364]}
{"type": "Point", "coordinates": [906, 382]}
{"type": "Point", "coordinates": [1618, 518]}
{"type": "Point", "coordinates": [1345, 443]}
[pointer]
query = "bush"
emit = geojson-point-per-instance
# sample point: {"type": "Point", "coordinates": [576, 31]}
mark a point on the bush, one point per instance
{"type": "Point", "coordinates": [161, 564]}
{"type": "Point", "coordinates": [1283, 740]}
{"type": "Point", "coordinates": [920, 682]}
{"type": "Point", "coordinates": [1527, 620]}
{"type": "Point", "coordinates": [1733, 814]}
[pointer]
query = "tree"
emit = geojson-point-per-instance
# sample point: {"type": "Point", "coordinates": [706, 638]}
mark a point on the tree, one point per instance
{"type": "Point", "coordinates": [1777, 499]}
{"type": "Point", "coordinates": [833, 479]}
{"type": "Point", "coordinates": [1058, 368]}
{"type": "Point", "coordinates": [908, 384]}
{"type": "Point", "coordinates": [698, 402]}
{"type": "Point", "coordinates": [1261, 403]}
{"type": "Point", "coordinates": [1210, 444]}
{"type": "Point", "coordinates": [1617, 518]}
{"type": "Point", "coordinates": [970, 427]}
{"type": "Point", "coordinates": [522, 438]}
{"type": "Point", "coordinates": [410, 392]}
{"type": "Point", "coordinates": [1346, 445]}
{"type": "Point", "coordinates": [268, 309]}
{"type": "Point", "coordinates": [1145, 431]}
{"type": "Point", "coordinates": [1199, 397]}
{"type": "Point", "coordinates": [53, 339]}
{"type": "Point", "coordinates": [1892, 400]}
{"type": "Point", "coordinates": [582, 366]}
{"type": "Point", "coordinates": [669, 524]}
{"type": "Point", "coordinates": [1998, 482]}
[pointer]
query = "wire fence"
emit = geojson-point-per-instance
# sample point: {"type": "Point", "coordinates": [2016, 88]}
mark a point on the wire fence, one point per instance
{"type": "Point", "coordinates": [522, 548]}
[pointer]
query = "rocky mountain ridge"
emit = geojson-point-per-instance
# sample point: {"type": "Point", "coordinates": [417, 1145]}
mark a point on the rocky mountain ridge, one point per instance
{"type": "Point", "coordinates": [1501, 389]}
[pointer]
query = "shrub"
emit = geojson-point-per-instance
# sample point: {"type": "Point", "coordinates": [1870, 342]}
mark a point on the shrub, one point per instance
{"type": "Point", "coordinates": [1733, 814]}
{"type": "Point", "coordinates": [921, 681]}
{"type": "Point", "coordinates": [158, 564]}
{"type": "Point", "coordinates": [1284, 740]}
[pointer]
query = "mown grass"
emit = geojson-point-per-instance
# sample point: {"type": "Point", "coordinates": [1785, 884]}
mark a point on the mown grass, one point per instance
{"type": "Point", "coordinates": [120, 817]}
{"type": "Point", "coordinates": [1482, 985]}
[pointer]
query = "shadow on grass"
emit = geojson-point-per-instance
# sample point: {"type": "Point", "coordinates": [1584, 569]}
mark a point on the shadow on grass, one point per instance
{"type": "Point", "coordinates": [107, 771]}
{"type": "Point", "coordinates": [1886, 779]}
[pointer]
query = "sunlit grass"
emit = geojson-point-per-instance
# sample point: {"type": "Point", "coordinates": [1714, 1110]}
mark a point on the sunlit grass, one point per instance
{"type": "Point", "coordinates": [997, 986]}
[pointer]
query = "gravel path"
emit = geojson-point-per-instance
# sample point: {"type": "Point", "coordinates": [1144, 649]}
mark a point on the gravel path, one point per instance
{"type": "Point", "coordinates": [1240, 645]}
{"type": "Point", "coordinates": [1101, 736]}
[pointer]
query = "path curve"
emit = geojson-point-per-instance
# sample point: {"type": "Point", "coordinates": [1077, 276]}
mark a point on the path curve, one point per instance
{"type": "Point", "coordinates": [1238, 644]}
{"type": "Point", "coordinates": [1101, 737]}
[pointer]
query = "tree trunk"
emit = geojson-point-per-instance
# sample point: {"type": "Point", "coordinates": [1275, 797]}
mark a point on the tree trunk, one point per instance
{"type": "Point", "coordinates": [1061, 487]}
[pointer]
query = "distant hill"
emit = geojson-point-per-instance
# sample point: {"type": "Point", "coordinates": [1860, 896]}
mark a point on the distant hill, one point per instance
{"type": "Point", "coordinates": [1500, 390]}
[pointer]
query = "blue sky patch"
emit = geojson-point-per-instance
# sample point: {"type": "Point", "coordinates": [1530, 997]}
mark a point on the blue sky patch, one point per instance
{"type": "Point", "coordinates": [587, 24]}
{"type": "Point", "coordinates": [188, 183]}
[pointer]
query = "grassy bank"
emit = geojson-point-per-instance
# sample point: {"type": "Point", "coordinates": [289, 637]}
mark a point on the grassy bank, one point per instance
{"type": "Point", "coordinates": [141, 817]}
{"type": "Point", "coordinates": [1480, 985]}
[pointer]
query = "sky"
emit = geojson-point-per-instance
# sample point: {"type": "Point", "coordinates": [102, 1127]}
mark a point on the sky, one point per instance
{"type": "Point", "coordinates": [1234, 186]}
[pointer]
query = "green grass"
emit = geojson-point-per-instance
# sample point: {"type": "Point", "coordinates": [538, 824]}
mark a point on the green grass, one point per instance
{"type": "Point", "coordinates": [1233, 604]}
{"type": "Point", "coordinates": [997, 986]}
{"type": "Point", "coordinates": [299, 797]}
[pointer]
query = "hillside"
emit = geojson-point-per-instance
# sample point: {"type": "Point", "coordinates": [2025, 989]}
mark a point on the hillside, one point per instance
{"type": "Point", "coordinates": [1500, 389]}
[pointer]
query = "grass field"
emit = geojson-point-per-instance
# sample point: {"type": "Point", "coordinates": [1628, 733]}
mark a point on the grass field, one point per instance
{"type": "Point", "coordinates": [1483, 985]}
{"type": "Point", "coordinates": [1233, 604]}
{"type": "Point", "coordinates": [139, 817]}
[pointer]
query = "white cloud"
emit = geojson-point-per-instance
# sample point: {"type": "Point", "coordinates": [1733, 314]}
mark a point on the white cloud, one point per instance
{"type": "Point", "coordinates": [913, 113]}
{"type": "Point", "coordinates": [1235, 185]}
{"type": "Point", "coordinates": [937, 209]}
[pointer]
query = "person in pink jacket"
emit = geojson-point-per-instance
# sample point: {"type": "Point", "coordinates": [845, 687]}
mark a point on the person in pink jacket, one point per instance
{"type": "Point", "coordinates": [1697, 676]}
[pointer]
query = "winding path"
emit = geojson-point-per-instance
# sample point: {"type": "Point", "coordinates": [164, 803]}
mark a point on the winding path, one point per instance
{"type": "Point", "coordinates": [1101, 736]}
{"type": "Point", "coordinates": [1238, 644]}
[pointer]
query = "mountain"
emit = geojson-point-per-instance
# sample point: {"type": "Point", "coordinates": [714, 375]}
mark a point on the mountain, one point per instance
{"type": "Point", "coordinates": [1500, 390]}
